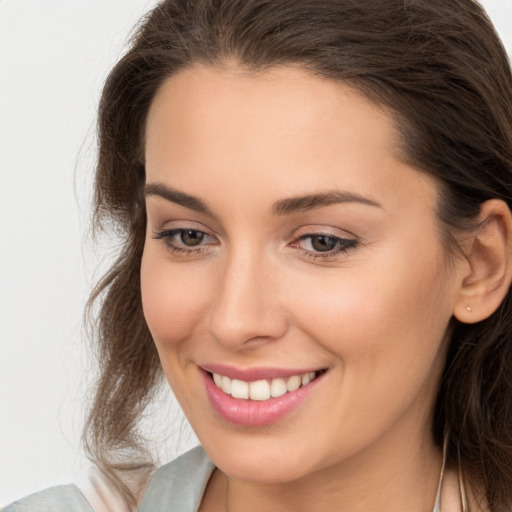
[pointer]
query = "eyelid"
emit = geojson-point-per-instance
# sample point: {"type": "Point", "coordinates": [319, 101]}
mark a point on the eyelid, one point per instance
{"type": "Point", "coordinates": [161, 214]}
{"type": "Point", "coordinates": [346, 242]}
{"type": "Point", "coordinates": [168, 234]}
{"type": "Point", "coordinates": [161, 233]}
{"type": "Point", "coordinates": [322, 229]}
{"type": "Point", "coordinates": [166, 223]}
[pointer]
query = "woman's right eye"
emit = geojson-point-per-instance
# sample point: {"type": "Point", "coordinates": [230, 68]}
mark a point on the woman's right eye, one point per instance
{"type": "Point", "coordinates": [185, 241]}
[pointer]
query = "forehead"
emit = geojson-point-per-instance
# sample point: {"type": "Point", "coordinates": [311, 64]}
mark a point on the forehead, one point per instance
{"type": "Point", "coordinates": [210, 126]}
{"type": "Point", "coordinates": [203, 102]}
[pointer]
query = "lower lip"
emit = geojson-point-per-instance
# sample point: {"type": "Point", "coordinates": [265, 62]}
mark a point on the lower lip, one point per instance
{"type": "Point", "coordinates": [253, 413]}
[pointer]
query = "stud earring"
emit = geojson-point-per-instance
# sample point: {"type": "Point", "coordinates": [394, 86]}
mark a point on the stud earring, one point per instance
{"type": "Point", "coordinates": [468, 308]}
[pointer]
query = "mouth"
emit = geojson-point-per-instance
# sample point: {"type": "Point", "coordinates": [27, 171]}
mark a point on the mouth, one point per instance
{"type": "Point", "coordinates": [263, 389]}
{"type": "Point", "coordinates": [253, 398]}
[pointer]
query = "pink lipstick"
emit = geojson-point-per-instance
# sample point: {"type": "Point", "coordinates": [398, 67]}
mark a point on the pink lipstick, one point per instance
{"type": "Point", "coordinates": [261, 396]}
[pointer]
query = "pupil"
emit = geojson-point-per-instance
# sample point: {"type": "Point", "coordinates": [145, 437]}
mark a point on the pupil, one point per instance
{"type": "Point", "coordinates": [192, 237]}
{"type": "Point", "coordinates": [323, 243]}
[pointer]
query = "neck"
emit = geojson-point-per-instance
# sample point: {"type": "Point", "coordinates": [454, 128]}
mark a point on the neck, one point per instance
{"type": "Point", "coordinates": [399, 476]}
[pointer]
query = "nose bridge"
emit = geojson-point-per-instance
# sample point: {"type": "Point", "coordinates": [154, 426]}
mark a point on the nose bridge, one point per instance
{"type": "Point", "coordinates": [246, 304]}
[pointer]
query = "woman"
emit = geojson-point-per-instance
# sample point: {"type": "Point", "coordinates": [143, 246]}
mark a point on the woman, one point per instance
{"type": "Point", "coordinates": [315, 198]}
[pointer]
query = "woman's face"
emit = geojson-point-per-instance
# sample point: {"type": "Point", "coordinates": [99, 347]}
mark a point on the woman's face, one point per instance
{"type": "Point", "coordinates": [285, 237]}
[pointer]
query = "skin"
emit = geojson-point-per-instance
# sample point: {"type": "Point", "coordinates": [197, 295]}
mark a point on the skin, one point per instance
{"type": "Point", "coordinates": [256, 293]}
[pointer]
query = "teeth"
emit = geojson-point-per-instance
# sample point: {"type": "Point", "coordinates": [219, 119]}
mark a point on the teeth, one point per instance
{"type": "Point", "coordinates": [226, 385]}
{"type": "Point", "coordinates": [294, 383]}
{"type": "Point", "coordinates": [261, 390]}
{"type": "Point", "coordinates": [217, 379]}
{"type": "Point", "coordinates": [278, 387]}
{"type": "Point", "coordinates": [307, 378]}
{"type": "Point", "coordinates": [239, 388]}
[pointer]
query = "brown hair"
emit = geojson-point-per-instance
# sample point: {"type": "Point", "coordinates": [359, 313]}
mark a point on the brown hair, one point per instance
{"type": "Point", "coordinates": [438, 65]}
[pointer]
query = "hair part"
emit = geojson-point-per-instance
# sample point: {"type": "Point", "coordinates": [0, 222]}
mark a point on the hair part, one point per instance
{"type": "Point", "coordinates": [438, 66]}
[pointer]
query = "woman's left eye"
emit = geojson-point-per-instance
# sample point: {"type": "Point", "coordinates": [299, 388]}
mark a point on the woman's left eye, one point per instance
{"type": "Point", "coordinates": [184, 240]}
{"type": "Point", "coordinates": [320, 245]}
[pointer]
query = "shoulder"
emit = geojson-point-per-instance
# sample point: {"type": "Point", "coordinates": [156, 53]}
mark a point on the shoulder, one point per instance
{"type": "Point", "coordinates": [179, 486]}
{"type": "Point", "coordinates": [176, 487]}
{"type": "Point", "coordinates": [65, 498]}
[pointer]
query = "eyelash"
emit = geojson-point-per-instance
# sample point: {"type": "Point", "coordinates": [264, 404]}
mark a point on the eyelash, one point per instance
{"type": "Point", "coordinates": [342, 245]}
{"type": "Point", "coordinates": [167, 235]}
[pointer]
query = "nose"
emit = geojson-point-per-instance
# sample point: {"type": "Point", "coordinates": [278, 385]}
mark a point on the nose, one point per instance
{"type": "Point", "coordinates": [247, 309]}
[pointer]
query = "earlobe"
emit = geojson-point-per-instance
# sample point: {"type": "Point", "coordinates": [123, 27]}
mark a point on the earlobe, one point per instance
{"type": "Point", "coordinates": [489, 254]}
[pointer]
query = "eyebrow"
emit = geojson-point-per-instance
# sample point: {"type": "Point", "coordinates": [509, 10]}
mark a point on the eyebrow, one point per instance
{"type": "Point", "coordinates": [310, 202]}
{"type": "Point", "coordinates": [281, 207]}
{"type": "Point", "coordinates": [175, 196]}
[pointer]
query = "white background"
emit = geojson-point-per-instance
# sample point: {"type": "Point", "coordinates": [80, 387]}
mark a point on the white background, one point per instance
{"type": "Point", "coordinates": [54, 56]}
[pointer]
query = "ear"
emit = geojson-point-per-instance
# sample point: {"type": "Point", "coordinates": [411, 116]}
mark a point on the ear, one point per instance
{"type": "Point", "coordinates": [489, 273]}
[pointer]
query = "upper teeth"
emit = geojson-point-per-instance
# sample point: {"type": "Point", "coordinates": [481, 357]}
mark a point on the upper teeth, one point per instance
{"type": "Point", "coordinates": [261, 389]}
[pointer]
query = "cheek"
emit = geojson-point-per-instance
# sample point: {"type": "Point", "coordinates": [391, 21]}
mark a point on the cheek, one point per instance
{"type": "Point", "coordinates": [173, 305]}
{"type": "Point", "coordinates": [390, 315]}
{"type": "Point", "coordinates": [172, 299]}
{"type": "Point", "coordinates": [385, 332]}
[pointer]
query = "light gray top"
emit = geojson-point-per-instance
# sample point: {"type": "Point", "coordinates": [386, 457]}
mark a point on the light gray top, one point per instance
{"type": "Point", "coordinates": [176, 487]}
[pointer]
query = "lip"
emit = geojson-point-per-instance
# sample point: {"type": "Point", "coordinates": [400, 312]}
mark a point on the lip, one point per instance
{"type": "Point", "coordinates": [252, 413]}
{"type": "Point", "coordinates": [253, 374]}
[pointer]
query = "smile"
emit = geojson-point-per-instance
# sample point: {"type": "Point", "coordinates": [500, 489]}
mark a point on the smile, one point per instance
{"type": "Point", "coordinates": [254, 398]}
{"type": "Point", "coordinates": [262, 390]}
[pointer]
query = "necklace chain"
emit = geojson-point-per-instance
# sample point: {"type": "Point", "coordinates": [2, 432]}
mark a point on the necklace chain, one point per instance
{"type": "Point", "coordinates": [437, 504]}
{"type": "Point", "coordinates": [462, 488]}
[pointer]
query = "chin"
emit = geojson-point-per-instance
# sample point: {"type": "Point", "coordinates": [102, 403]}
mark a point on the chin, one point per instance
{"type": "Point", "coordinates": [262, 458]}
{"type": "Point", "coordinates": [274, 470]}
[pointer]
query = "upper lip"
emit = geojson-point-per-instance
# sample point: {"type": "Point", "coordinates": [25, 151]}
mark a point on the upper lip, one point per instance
{"type": "Point", "coordinates": [254, 374]}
